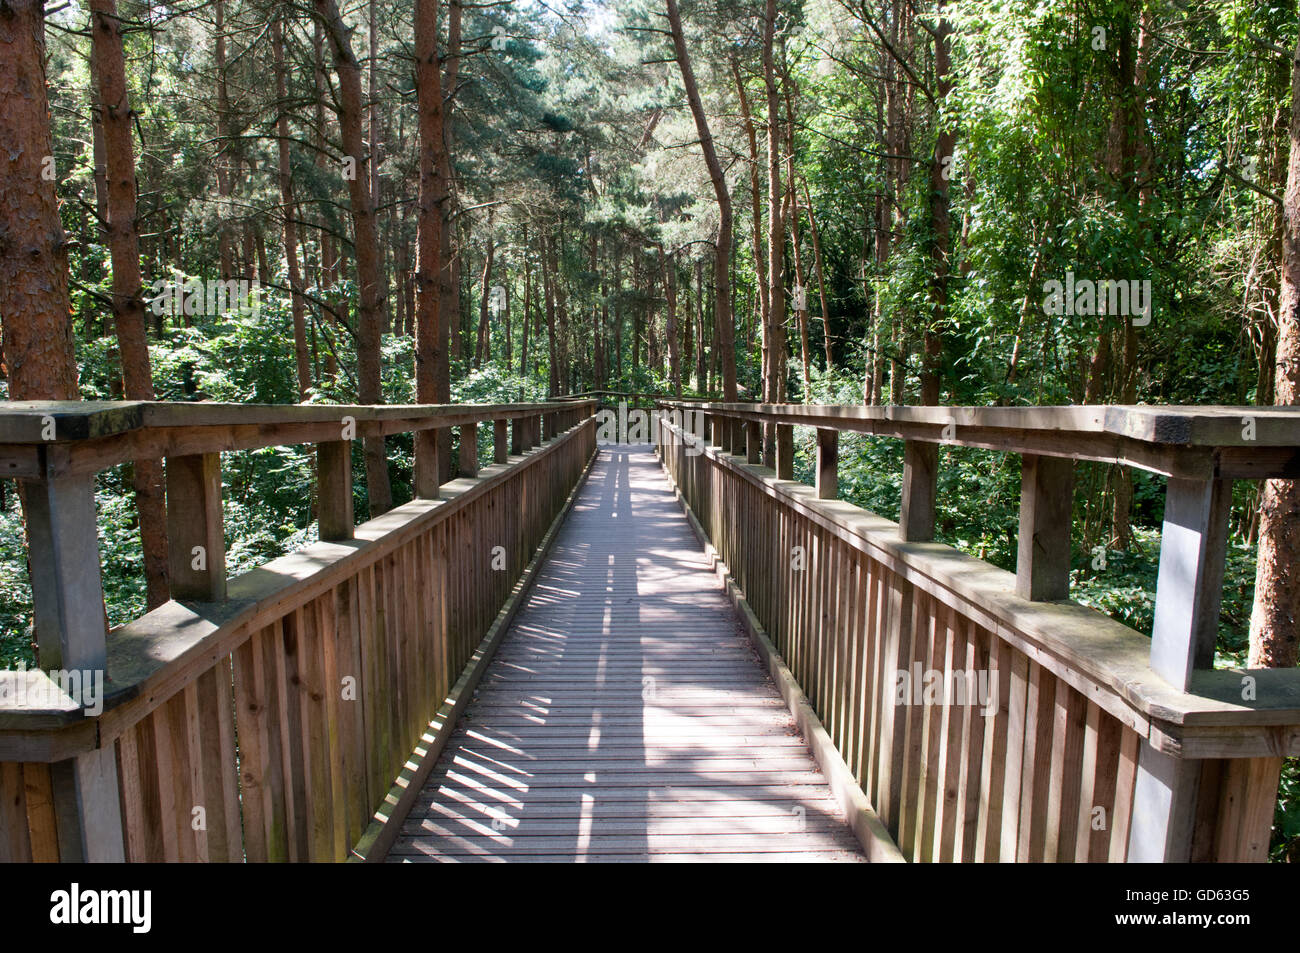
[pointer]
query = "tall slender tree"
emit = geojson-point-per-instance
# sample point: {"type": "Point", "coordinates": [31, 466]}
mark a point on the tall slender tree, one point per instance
{"type": "Point", "coordinates": [1275, 619]}
{"type": "Point", "coordinates": [298, 307]}
{"type": "Point", "coordinates": [430, 329]}
{"type": "Point", "coordinates": [366, 242]}
{"type": "Point", "coordinates": [722, 316]}
{"type": "Point", "coordinates": [109, 66]}
{"type": "Point", "coordinates": [34, 303]}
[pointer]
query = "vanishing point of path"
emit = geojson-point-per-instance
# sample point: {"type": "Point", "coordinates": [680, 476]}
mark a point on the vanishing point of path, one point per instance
{"type": "Point", "coordinates": [625, 716]}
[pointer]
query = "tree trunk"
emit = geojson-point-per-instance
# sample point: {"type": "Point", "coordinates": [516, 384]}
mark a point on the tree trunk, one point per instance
{"type": "Point", "coordinates": [701, 373]}
{"type": "Point", "coordinates": [225, 186]}
{"type": "Point", "coordinates": [508, 352]}
{"type": "Point", "coordinates": [528, 301]}
{"type": "Point", "coordinates": [561, 315]}
{"type": "Point", "coordinates": [1274, 636]}
{"type": "Point", "coordinates": [482, 347]}
{"type": "Point", "coordinates": [128, 284]}
{"type": "Point", "coordinates": [618, 315]}
{"type": "Point", "coordinates": [449, 271]}
{"type": "Point", "coordinates": [328, 258]}
{"type": "Point", "coordinates": [636, 312]}
{"type": "Point", "coordinates": [290, 215]}
{"type": "Point", "coordinates": [34, 300]}
{"type": "Point", "coordinates": [940, 217]}
{"type": "Point", "coordinates": [670, 293]}
{"type": "Point", "coordinates": [430, 329]}
{"type": "Point", "coordinates": [723, 317]}
{"type": "Point", "coordinates": [602, 379]}
{"type": "Point", "coordinates": [773, 390]}
{"type": "Point", "coordinates": [756, 206]}
{"type": "Point", "coordinates": [800, 302]}
{"type": "Point", "coordinates": [369, 384]}
{"type": "Point", "coordinates": [821, 278]}
{"type": "Point", "coordinates": [548, 288]}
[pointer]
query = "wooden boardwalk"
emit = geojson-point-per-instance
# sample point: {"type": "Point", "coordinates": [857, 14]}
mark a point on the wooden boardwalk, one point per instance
{"type": "Point", "coordinates": [625, 716]}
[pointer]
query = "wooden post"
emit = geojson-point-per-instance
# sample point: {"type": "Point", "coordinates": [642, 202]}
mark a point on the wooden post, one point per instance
{"type": "Point", "coordinates": [72, 635]}
{"type": "Point", "coordinates": [1046, 499]}
{"type": "Point", "coordinates": [920, 476]}
{"type": "Point", "coordinates": [334, 484]}
{"type": "Point", "coordinates": [500, 441]}
{"type": "Point", "coordinates": [1189, 588]}
{"type": "Point", "coordinates": [548, 426]}
{"type": "Point", "coordinates": [785, 451]}
{"type": "Point", "coordinates": [517, 435]}
{"type": "Point", "coordinates": [426, 464]}
{"type": "Point", "coordinates": [753, 442]}
{"type": "Point", "coordinates": [828, 461]}
{"type": "Point", "coordinates": [468, 454]}
{"type": "Point", "coordinates": [1164, 807]}
{"type": "Point", "coordinates": [196, 539]}
{"type": "Point", "coordinates": [1189, 585]}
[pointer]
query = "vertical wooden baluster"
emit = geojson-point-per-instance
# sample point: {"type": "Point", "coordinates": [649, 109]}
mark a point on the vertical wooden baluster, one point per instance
{"type": "Point", "coordinates": [1188, 592]}
{"type": "Point", "coordinates": [1189, 587]}
{"type": "Point", "coordinates": [500, 441]}
{"type": "Point", "coordinates": [785, 451]}
{"type": "Point", "coordinates": [468, 455]}
{"type": "Point", "coordinates": [1046, 499]}
{"type": "Point", "coordinates": [920, 473]}
{"type": "Point", "coordinates": [15, 836]}
{"type": "Point", "coordinates": [334, 487]}
{"type": "Point", "coordinates": [196, 540]}
{"type": "Point", "coordinates": [427, 464]}
{"type": "Point", "coordinates": [828, 461]}
{"type": "Point", "coordinates": [753, 442]}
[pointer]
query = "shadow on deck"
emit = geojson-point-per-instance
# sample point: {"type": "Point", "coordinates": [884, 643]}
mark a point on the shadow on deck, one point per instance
{"type": "Point", "coordinates": [626, 716]}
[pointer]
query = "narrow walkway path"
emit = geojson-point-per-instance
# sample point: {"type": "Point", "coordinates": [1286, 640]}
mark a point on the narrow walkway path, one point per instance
{"type": "Point", "coordinates": [626, 716]}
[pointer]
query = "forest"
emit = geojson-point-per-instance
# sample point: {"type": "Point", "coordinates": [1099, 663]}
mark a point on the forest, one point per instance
{"type": "Point", "coordinates": [890, 202]}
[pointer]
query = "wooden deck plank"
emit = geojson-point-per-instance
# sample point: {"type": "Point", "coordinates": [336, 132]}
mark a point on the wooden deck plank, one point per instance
{"type": "Point", "coordinates": [626, 717]}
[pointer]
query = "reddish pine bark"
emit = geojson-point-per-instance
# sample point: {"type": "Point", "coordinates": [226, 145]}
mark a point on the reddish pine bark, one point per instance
{"type": "Point", "coordinates": [298, 307]}
{"type": "Point", "coordinates": [34, 302]}
{"type": "Point", "coordinates": [109, 65]}
{"type": "Point", "coordinates": [1274, 636]}
{"type": "Point", "coordinates": [366, 240]}
{"type": "Point", "coordinates": [722, 250]}
{"type": "Point", "coordinates": [774, 391]}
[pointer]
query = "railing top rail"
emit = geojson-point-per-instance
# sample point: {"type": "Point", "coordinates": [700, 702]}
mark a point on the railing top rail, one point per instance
{"type": "Point", "coordinates": [1175, 425]}
{"type": "Point", "coordinates": [41, 439]}
{"type": "Point", "coordinates": [1201, 442]}
{"type": "Point", "coordinates": [26, 422]}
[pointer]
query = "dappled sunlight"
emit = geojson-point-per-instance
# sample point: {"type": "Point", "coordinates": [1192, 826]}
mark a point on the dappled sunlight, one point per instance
{"type": "Point", "coordinates": [625, 715]}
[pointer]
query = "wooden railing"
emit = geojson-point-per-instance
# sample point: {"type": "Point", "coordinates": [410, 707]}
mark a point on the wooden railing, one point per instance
{"type": "Point", "coordinates": [265, 717]}
{"type": "Point", "coordinates": [1099, 743]}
